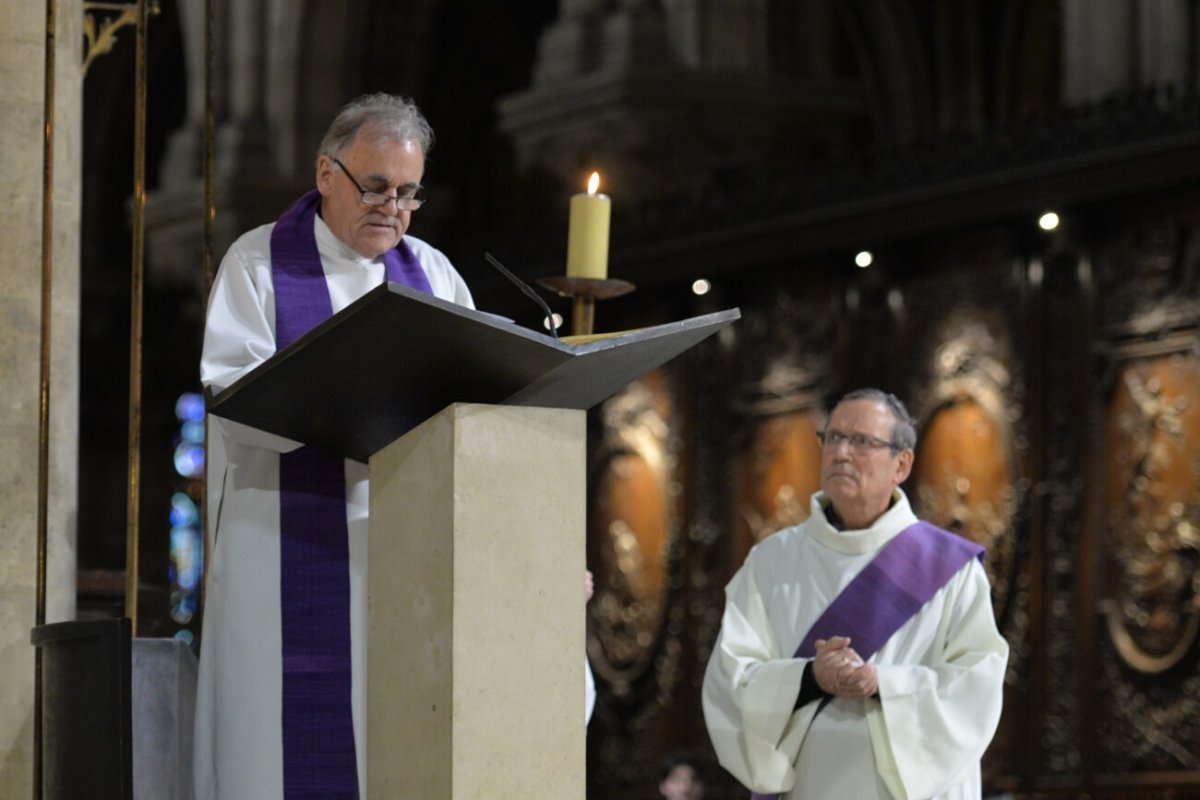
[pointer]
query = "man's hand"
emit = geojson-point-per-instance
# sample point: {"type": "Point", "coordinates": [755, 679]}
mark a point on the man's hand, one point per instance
{"type": "Point", "coordinates": [841, 672]}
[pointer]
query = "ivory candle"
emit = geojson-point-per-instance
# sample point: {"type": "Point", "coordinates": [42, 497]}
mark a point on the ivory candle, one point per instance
{"type": "Point", "coordinates": [587, 233]}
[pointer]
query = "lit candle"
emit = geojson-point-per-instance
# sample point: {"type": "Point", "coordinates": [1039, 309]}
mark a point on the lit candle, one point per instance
{"type": "Point", "coordinates": [587, 233]}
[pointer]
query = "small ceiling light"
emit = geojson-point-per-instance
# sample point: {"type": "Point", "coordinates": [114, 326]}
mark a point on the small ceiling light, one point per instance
{"type": "Point", "coordinates": [864, 259]}
{"type": "Point", "coordinates": [1048, 221]}
{"type": "Point", "coordinates": [700, 286]}
{"type": "Point", "coordinates": [554, 321]}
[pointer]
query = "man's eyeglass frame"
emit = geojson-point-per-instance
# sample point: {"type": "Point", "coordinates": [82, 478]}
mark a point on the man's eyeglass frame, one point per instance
{"type": "Point", "coordinates": [860, 443]}
{"type": "Point", "coordinates": [378, 199]}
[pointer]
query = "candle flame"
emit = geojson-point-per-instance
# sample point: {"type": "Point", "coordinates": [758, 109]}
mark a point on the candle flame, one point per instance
{"type": "Point", "coordinates": [594, 183]}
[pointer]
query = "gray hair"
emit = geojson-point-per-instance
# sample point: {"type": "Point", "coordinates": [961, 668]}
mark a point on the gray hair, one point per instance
{"type": "Point", "coordinates": [904, 431]}
{"type": "Point", "coordinates": [389, 118]}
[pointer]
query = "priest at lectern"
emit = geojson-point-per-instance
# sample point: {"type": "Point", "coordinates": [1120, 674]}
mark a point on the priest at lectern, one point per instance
{"type": "Point", "coordinates": [282, 687]}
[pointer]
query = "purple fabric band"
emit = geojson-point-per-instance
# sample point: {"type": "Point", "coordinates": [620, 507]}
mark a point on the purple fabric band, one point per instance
{"type": "Point", "coordinates": [903, 577]}
{"type": "Point", "coordinates": [301, 294]}
{"type": "Point", "coordinates": [402, 267]}
{"type": "Point", "coordinates": [318, 726]}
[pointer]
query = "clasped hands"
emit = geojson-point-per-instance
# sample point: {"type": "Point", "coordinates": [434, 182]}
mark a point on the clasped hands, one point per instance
{"type": "Point", "coordinates": [841, 672]}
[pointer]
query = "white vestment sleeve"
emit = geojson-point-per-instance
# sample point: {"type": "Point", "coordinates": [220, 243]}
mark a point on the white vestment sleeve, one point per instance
{"type": "Point", "coordinates": [239, 335]}
{"type": "Point", "coordinates": [749, 694]}
{"type": "Point", "coordinates": [589, 692]}
{"type": "Point", "coordinates": [240, 330]}
{"type": "Point", "coordinates": [939, 713]}
{"type": "Point", "coordinates": [444, 279]}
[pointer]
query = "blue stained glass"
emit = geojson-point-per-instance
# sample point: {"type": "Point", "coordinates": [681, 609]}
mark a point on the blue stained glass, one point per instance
{"type": "Point", "coordinates": [183, 512]}
{"type": "Point", "coordinates": [183, 606]}
{"type": "Point", "coordinates": [185, 570]}
{"type": "Point", "coordinates": [193, 431]}
{"type": "Point", "coordinates": [190, 406]}
{"type": "Point", "coordinates": [181, 544]}
{"type": "Point", "coordinates": [189, 459]}
{"type": "Point", "coordinates": [188, 578]}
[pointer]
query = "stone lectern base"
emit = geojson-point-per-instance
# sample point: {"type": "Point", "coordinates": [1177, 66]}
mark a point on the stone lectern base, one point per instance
{"type": "Point", "coordinates": [476, 607]}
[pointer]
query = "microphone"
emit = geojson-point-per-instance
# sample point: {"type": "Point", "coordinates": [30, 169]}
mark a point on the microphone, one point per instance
{"type": "Point", "coordinates": [526, 288]}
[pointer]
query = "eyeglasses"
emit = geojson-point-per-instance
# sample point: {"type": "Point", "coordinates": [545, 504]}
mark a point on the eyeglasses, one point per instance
{"type": "Point", "coordinates": [376, 199]}
{"type": "Point", "coordinates": [860, 443]}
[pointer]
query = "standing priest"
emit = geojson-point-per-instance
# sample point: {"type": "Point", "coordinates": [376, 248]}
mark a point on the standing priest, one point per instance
{"type": "Point", "coordinates": [280, 706]}
{"type": "Point", "coordinates": [858, 654]}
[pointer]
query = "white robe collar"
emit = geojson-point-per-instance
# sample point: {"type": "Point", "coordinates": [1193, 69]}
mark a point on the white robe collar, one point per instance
{"type": "Point", "coordinates": [856, 542]}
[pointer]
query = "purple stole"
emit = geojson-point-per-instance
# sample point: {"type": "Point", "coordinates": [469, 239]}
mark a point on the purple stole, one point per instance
{"type": "Point", "coordinates": [318, 730]}
{"type": "Point", "coordinates": [903, 577]}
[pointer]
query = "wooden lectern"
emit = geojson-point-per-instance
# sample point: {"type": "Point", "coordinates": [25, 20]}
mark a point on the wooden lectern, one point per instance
{"type": "Point", "coordinates": [474, 430]}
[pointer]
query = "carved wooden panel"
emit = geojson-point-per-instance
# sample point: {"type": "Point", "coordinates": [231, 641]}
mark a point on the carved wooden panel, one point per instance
{"type": "Point", "coordinates": [785, 368]}
{"type": "Point", "coordinates": [966, 344]}
{"type": "Point", "coordinates": [989, 349]}
{"type": "Point", "coordinates": [778, 474]}
{"type": "Point", "coordinates": [965, 477]}
{"type": "Point", "coordinates": [657, 542]}
{"type": "Point", "coordinates": [1148, 267]}
{"type": "Point", "coordinates": [1152, 500]}
{"type": "Point", "coordinates": [1146, 491]}
{"type": "Point", "coordinates": [1149, 689]}
{"type": "Point", "coordinates": [634, 523]}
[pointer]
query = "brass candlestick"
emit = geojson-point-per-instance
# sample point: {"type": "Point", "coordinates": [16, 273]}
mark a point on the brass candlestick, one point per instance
{"type": "Point", "coordinates": [585, 292]}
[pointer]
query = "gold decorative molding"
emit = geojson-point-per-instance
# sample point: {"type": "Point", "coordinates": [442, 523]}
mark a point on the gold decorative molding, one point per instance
{"type": "Point", "coordinates": [100, 40]}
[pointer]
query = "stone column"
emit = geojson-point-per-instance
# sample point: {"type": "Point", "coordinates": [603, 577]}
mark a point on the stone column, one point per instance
{"type": "Point", "coordinates": [22, 48]}
{"type": "Point", "coordinates": [1166, 29]}
{"type": "Point", "coordinates": [1111, 47]}
{"type": "Point", "coordinates": [1098, 51]}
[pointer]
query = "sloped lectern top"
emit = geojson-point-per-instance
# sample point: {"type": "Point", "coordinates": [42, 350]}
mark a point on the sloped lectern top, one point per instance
{"type": "Point", "coordinates": [396, 356]}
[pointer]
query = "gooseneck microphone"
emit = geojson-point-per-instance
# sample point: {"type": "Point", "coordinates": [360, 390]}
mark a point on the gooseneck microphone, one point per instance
{"type": "Point", "coordinates": [526, 288]}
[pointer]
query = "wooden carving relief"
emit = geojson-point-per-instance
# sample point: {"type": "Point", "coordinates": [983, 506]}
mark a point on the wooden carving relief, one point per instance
{"type": "Point", "coordinates": [1152, 503]}
{"type": "Point", "coordinates": [780, 472]}
{"type": "Point", "coordinates": [965, 476]}
{"type": "Point", "coordinates": [1150, 535]}
{"type": "Point", "coordinates": [633, 530]}
{"type": "Point", "coordinates": [781, 404]}
{"type": "Point", "coordinates": [1149, 273]}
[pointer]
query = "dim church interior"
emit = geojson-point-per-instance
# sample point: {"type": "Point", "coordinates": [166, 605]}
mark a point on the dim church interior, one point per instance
{"type": "Point", "coordinates": [762, 147]}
